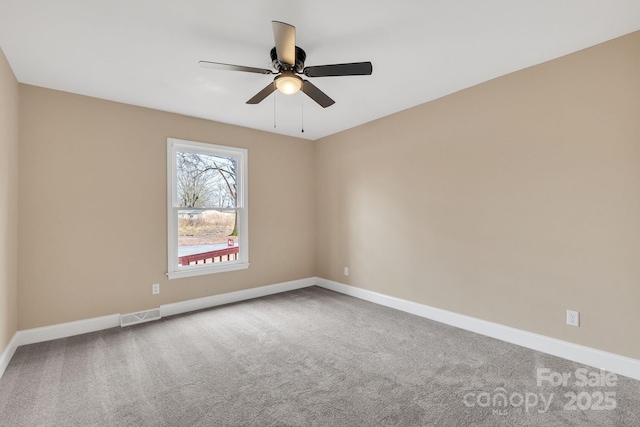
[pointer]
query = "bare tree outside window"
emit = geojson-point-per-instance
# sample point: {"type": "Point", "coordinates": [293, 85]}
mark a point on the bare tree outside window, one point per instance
{"type": "Point", "coordinates": [207, 189]}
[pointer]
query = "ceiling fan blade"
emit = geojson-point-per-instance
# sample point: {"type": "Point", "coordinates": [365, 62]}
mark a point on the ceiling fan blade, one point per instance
{"type": "Point", "coordinates": [263, 94]}
{"type": "Point", "coordinates": [352, 69]}
{"type": "Point", "coordinates": [316, 94]}
{"type": "Point", "coordinates": [230, 67]}
{"type": "Point", "coordinates": [285, 38]}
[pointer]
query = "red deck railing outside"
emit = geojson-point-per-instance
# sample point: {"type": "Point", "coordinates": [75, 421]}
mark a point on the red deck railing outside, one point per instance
{"type": "Point", "coordinates": [209, 256]}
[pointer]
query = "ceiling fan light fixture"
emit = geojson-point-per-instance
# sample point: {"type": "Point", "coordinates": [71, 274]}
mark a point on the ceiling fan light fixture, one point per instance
{"type": "Point", "coordinates": [288, 83]}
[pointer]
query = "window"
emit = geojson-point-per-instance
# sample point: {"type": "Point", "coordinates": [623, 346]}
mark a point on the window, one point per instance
{"type": "Point", "coordinates": [207, 208]}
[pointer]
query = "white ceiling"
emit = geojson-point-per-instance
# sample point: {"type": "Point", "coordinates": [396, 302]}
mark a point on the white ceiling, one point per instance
{"type": "Point", "coordinates": [146, 52]}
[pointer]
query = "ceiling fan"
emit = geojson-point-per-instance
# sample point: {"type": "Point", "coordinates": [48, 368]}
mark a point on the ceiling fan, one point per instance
{"type": "Point", "coordinates": [288, 61]}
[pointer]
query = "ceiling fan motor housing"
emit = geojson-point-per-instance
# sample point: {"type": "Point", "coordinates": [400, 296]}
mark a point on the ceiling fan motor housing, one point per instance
{"type": "Point", "coordinates": [301, 56]}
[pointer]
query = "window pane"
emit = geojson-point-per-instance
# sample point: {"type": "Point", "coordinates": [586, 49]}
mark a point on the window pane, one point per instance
{"type": "Point", "coordinates": [207, 188]}
{"type": "Point", "coordinates": [204, 180]}
{"type": "Point", "coordinates": [206, 236]}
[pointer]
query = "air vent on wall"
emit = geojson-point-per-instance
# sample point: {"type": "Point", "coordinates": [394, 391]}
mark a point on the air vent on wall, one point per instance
{"type": "Point", "coordinates": [139, 317]}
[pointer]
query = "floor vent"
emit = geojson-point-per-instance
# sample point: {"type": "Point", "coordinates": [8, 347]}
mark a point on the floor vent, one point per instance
{"type": "Point", "coordinates": [139, 317]}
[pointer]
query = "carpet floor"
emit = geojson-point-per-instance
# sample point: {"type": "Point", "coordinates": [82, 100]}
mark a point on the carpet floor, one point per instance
{"type": "Point", "coordinates": [309, 357]}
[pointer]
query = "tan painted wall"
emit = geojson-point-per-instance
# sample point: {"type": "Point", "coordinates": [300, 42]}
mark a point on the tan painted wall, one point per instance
{"type": "Point", "coordinates": [93, 207]}
{"type": "Point", "coordinates": [511, 201]}
{"type": "Point", "coordinates": [8, 202]}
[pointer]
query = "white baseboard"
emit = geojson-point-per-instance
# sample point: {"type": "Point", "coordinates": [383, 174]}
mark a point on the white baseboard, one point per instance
{"type": "Point", "coordinates": [63, 330]}
{"type": "Point", "coordinates": [246, 294]}
{"type": "Point", "coordinates": [600, 359]}
{"type": "Point", "coordinates": [52, 332]}
{"type": "Point", "coordinates": [68, 329]}
{"type": "Point", "coordinates": [585, 355]}
{"type": "Point", "coordinates": [7, 353]}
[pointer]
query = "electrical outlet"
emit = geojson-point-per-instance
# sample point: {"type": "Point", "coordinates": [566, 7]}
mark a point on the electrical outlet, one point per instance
{"type": "Point", "coordinates": [346, 271]}
{"type": "Point", "coordinates": [155, 288]}
{"type": "Point", "coordinates": [573, 318]}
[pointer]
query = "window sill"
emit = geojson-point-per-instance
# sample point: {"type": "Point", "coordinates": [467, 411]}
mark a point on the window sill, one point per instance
{"type": "Point", "coordinates": [200, 271]}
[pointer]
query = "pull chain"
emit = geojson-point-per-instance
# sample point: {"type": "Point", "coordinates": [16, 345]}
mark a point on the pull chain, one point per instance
{"type": "Point", "coordinates": [274, 110]}
{"type": "Point", "coordinates": [302, 112]}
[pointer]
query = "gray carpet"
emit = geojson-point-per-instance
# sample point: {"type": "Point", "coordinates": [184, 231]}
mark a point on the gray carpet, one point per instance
{"type": "Point", "coordinates": [304, 358]}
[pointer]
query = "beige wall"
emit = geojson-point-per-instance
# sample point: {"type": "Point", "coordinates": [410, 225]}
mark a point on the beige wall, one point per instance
{"type": "Point", "coordinates": [8, 202]}
{"type": "Point", "coordinates": [511, 201]}
{"type": "Point", "coordinates": [93, 207]}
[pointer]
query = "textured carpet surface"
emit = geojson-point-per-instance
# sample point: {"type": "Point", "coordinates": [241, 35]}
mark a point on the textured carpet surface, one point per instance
{"type": "Point", "coordinates": [304, 358]}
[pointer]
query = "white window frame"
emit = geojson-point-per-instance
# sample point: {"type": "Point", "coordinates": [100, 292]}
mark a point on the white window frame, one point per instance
{"type": "Point", "coordinates": [176, 271]}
